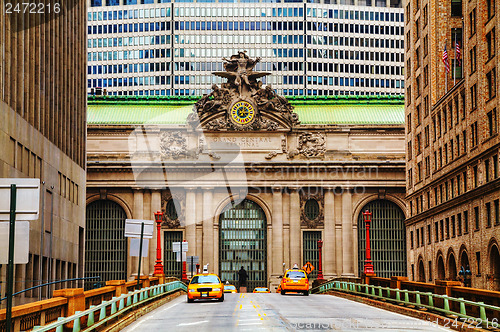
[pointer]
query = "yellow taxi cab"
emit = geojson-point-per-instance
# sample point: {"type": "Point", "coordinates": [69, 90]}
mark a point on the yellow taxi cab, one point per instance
{"type": "Point", "coordinates": [278, 290]}
{"type": "Point", "coordinates": [294, 280]}
{"type": "Point", "coordinates": [205, 286]}
{"type": "Point", "coordinates": [261, 290]}
{"type": "Point", "coordinates": [228, 288]}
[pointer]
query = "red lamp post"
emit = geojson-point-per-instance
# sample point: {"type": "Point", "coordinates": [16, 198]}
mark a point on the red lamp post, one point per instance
{"type": "Point", "coordinates": [158, 265]}
{"type": "Point", "coordinates": [320, 268]}
{"type": "Point", "coordinates": [367, 216]}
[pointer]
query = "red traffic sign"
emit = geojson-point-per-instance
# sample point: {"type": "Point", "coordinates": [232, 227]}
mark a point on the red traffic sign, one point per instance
{"type": "Point", "coordinates": [308, 267]}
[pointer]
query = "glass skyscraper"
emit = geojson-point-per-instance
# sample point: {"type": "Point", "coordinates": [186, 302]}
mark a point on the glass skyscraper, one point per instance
{"type": "Point", "coordinates": [329, 47]}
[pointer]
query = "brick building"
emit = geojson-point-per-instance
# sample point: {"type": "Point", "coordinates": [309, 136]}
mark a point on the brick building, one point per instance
{"type": "Point", "coordinates": [452, 141]}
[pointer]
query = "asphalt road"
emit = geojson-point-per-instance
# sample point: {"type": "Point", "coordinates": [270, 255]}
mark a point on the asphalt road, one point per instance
{"type": "Point", "coordinates": [275, 312]}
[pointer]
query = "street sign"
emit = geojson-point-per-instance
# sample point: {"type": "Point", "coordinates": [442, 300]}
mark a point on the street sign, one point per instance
{"type": "Point", "coordinates": [178, 256]}
{"type": "Point", "coordinates": [27, 200]}
{"type": "Point", "coordinates": [308, 267]}
{"type": "Point", "coordinates": [135, 243]}
{"type": "Point", "coordinates": [133, 228]}
{"type": "Point", "coordinates": [21, 245]}
{"type": "Point", "coordinates": [176, 246]}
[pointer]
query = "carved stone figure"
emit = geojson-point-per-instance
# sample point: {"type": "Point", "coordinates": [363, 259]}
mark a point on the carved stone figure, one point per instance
{"type": "Point", "coordinates": [172, 220]}
{"type": "Point", "coordinates": [241, 103]}
{"type": "Point", "coordinates": [311, 217]}
{"type": "Point", "coordinates": [173, 144]}
{"type": "Point", "coordinates": [311, 145]}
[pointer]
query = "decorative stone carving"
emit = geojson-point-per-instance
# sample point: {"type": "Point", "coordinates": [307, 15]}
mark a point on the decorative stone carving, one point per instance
{"type": "Point", "coordinates": [180, 206]}
{"type": "Point", "coordinates": [304, 218]}
{"type": "Point", "coordinates": [311, 145]}
{"type": "Point", "coordinates": [241, 104]}
{"type": "Point", "coordinates": [173, 144]}
{"type": "Point", "coordinates": [271, 155]}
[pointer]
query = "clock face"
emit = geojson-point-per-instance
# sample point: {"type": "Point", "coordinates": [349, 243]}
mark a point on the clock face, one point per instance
{"type": "Point", "coordinates": [242, 112]}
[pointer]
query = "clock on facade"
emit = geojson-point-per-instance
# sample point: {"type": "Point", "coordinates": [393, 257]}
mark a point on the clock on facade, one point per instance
{"type": "Point", "coordinates": [242, 113]}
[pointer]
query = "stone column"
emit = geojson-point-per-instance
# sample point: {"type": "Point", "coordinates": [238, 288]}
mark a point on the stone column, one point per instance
{"type": "Point", "coordinates": [155, 207]}
{"type": "Point", "coordinates": [294, 226]}
{"type": "Point", "coordinates": [347, 245]}
{"type": "Point", "coordinates": [286, 230]}
{"type": "Point", "coordinates": [277, 220]}
{"type": "Point", "coordinates": [148, 215]}
{"type": "Point", "coordinates": [138, 213]}
{"type": "Point", "coordinates": [208, 229]}
{"type": "Point", "coordinates": [329, 268]}
{"type": "Point", "coordinates": [190, 225]}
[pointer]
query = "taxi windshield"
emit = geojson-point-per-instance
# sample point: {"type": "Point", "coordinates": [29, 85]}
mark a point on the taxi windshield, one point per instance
{"type": "Point", "coordinates": [295, 274]}
{"type": "Point", "coordinates": [229, 287]}
{"type": "Point", "coordinates": [205, 280]}
{"type": "Point", "coordinates": [261, 289]}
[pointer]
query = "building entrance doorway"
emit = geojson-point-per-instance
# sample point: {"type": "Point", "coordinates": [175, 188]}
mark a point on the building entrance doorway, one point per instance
{"type": "Point", "coordinates": [242, 242]}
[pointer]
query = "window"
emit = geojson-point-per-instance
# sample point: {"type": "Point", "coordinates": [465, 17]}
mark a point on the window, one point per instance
{"type": "Point", "coordinates": [491, 81]}
{"type": "Point", "coordinates": [474, 171]}
{"type": "Point", "coordinates": [472, 22]}
{"type": "Point", "coordinates": [478, 260]}
{"type": "Point", "coordinates": [429, 233]}
{"type": "Point", "coordinates": [492, 122]}
{"type": "Point", "coordinates": [459, 224]}
{"type": "Point", "coordinates": [426, 15]}
{"type": "Point", "coordinates": [441, 229]}
{"type": "Point", "coordinates": [488, 214]}
{"type": "Point", "coordinates": [427, 167]}
{"type": "Point", "coordinates": [456, 7]}
{"type": "Point", "coordinates": [495, 166]}
{"type": "Point", "coordinates": [453, 234]}
{"type": "Point", "coordinates": [466, 222]}
{"type": "Point", "coordinates": [490, 42]}
{"type": "Point", "coordinates": [476, 218]}
{"type": "Point", "coordinates": [497, 211]}
{"type": "Point", "coordinates": [409, 150]}
{"type": "Point", "coordinates": [472, 56]}
{"type": "Point", "coordinates": [474, 139]}
{"type": "Point", "coordinates": [436, 232]}
{"type": "Point", "coordinates": [490, 4]}
{"type": "Point", "coordinates": [418, 143]}
{"type": "Point", "coordinates": [411, 239]}
{"type": "Point", "coordinates": [418, 237]}
{"type": "Point", "coordinates": [95, 3]}
{"type": "Point", "coordinates": [426, 136]}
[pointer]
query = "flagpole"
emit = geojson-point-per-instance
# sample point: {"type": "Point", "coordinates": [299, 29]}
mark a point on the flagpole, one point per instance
{"type": "Point", "coordinates": [446, 74]}
{"type": "Point", "coordinates": [455, 62]}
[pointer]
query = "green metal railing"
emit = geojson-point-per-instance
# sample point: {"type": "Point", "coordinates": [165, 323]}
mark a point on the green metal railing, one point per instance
{"type": "Point", "coordinates": [117, 305]}
{"type": "Point", "coordinates": [438, 303]}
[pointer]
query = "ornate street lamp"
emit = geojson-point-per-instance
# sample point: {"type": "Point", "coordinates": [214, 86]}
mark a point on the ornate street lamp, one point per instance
{"type": "Point", "coordinates": [158, 265]}
{"type": "Point", "coordinates": [320, 269]}
{"type": "Point", "coordinates": [367, 216]}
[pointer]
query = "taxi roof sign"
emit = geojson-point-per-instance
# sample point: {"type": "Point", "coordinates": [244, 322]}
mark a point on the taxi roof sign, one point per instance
{"type": "Point", "coordinates": [308, 267]}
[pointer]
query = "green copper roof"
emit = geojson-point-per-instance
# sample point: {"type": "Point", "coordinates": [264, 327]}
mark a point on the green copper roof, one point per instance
{"type": "Point", "coordinates": [358, 110]}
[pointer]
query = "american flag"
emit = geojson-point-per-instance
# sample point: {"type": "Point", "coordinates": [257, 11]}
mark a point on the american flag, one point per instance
{"type": "Point", "coordinates": [445, 59]}
{"type": "Point", "coordinates": [457, 53]}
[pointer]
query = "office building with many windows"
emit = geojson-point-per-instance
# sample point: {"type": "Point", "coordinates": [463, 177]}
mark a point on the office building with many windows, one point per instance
{"type": "Point", "coordinates": [330, 48]}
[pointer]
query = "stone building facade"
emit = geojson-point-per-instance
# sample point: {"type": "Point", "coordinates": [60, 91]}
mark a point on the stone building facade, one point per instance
{"type": "Point", "coordinates": [251, 190]}
{"type": "Point", "coordinates": [452, 141]}
{"type": "Point", "coordinates": [42, 135]}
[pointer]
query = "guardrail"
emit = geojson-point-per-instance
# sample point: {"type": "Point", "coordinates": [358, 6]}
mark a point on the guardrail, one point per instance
{"type": "Point", "coordinates": [109, 310]}
{"type": "Point", "coordinates": [477, 313]}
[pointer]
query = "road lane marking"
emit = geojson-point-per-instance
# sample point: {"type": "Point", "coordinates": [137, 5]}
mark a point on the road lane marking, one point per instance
{"type": "Point", "coordinates": [250, 324]}
{"type": "Point", "coordinates": [194, 323]}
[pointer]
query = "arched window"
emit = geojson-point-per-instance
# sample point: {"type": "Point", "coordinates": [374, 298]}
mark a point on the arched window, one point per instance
{"type": "Point", "coordinates": [242, 242]}
{"type": "Point", "coordinates": [105, 242]}
{"type": "Point", "coordinates": [387, 239]}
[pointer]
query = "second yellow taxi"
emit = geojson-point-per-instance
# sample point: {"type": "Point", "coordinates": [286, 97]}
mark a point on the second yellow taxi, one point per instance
{"type": "Point", "coordinates": [261, 290]}
{"type": "Point", "coordinates": [294, 280]}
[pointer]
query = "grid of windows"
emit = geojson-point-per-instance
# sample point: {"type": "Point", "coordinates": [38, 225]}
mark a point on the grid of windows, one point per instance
{"type": "Point", "coordinates": [312, 49]}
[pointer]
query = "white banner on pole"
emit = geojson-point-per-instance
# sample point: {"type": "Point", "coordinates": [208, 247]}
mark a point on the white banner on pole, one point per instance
{"type": "Point", "coordinates": [133, 228]}
{"type": "Point", "coordinates": [21, 242]}
{"type": "Point", "coordinates": [134, 247]}
{"type": "Point", "coordinates": [27, 198]}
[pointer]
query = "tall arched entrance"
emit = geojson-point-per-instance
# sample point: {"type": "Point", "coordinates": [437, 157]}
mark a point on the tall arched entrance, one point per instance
{"type": "Point", "coordinates": [105, 242]}
{"type": "Point", "coordinates": [440, 268]}
{"type": "Point", "coordinates": [421, 271]}
{"type": "Point", "coordinates": [387, 239]}
{"type": "Point", "coordinates": [452, 267]}
{"type": "Point", "coordinates": [495, 267]}
{"type": "Point", "coordinates": [242, 242]}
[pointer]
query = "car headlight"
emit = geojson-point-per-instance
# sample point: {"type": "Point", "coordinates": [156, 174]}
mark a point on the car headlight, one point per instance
{"type": "Point", "coordinates": [192, 290]}
{"type": "Point", "coordinates": [216, 290]}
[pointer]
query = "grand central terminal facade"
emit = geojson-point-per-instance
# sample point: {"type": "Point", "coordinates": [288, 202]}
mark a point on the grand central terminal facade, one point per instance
{"type": "Point", "coordinates": [247, 178]}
